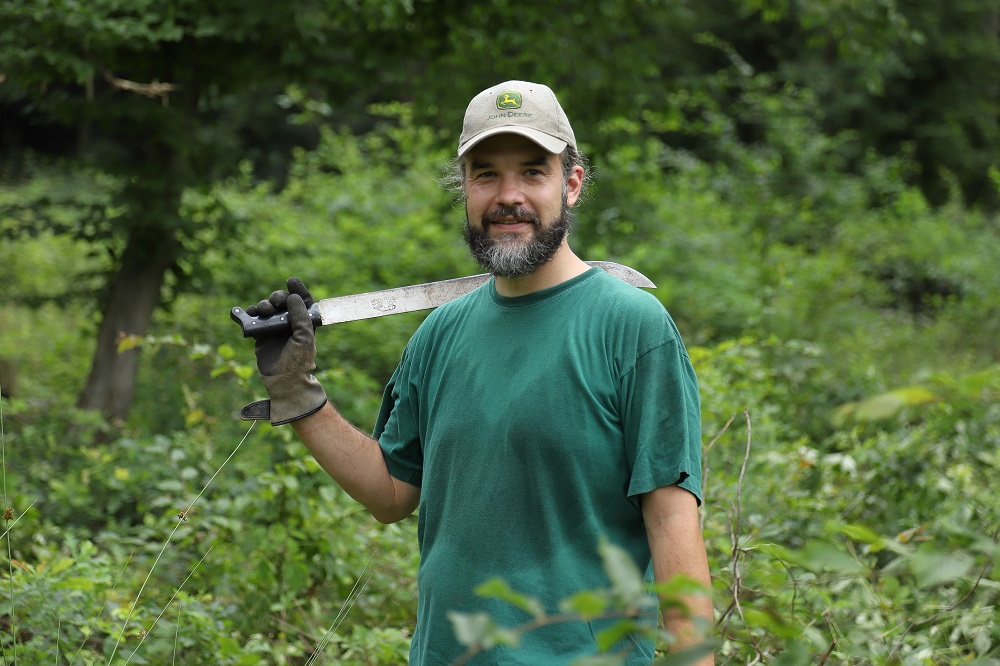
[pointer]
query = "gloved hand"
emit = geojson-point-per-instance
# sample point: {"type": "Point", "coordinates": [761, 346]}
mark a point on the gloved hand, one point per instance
{"type": "Point", "coordinates": [286, 361]}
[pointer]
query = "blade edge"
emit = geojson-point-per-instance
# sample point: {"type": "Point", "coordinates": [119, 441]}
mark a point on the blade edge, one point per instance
{"type": "Point", "coordinates": [398, 300]}
{"type": "Point", "coordinates": [427, 296]}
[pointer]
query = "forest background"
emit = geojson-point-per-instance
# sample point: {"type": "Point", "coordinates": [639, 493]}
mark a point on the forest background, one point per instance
{"type": "Point", "coordinates": [812, 185]}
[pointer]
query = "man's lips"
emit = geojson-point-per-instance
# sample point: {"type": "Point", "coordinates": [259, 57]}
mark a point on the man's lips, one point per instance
{"type": "Point", "coordinates": [509, 221]}
{"type": "Point", "coordinates": [511, 226]}
{"type": "Point", "coordinates": [510, 217]}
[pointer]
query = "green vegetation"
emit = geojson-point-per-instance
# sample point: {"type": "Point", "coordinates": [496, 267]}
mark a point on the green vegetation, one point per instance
{"type": "Point", "coordinates": [812, 187]}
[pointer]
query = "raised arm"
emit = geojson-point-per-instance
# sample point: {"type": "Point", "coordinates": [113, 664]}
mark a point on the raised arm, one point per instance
{"type": "Point", "coordinates": [352, 458]}
{"type": "Point", "coordinates": [355, 462]}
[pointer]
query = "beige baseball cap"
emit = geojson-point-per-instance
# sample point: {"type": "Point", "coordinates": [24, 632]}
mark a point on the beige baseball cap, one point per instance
{"type": "Point", "coordinates": [518, 107]}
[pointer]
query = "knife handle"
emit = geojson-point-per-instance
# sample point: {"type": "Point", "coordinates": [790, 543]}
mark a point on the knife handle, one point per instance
{"type": "Point", "coordinates": [255, 327]}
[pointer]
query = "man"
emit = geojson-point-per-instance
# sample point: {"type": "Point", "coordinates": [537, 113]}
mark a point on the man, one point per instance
{"type": "Point", "coordinates": [549, 409]}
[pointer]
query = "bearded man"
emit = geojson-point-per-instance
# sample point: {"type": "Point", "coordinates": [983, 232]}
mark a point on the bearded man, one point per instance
{"type": "Point", "coordinates": [551, 409]}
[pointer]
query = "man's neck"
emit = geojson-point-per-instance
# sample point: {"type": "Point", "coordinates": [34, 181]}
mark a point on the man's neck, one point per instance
{"type": "Point", "coordinates": [565, 265]}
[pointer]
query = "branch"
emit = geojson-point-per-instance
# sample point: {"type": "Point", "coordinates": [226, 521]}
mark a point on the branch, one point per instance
{"type": "Point", "coordinates": [543, 621]}
{"type": "Point", "coordinates": [739, 482]}
{"type": "Point", "coordinates": [153, 89]}
{"type": "Point", "coordinates": [944, 611]}
{"type": "Point", "coordinates": [734, 530]}
{"type": "Point", "coordinates": [952, 606]}
{"type": "Point", "coordinates": [704, 465]}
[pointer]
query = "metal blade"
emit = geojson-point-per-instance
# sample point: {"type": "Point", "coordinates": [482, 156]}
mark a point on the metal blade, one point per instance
{"type": "Point", "coordinates": [431, 295]}
{"type": "Point", "coordinates": [399, 300]}
{"type": "Point", "coordinates": [395, 301]}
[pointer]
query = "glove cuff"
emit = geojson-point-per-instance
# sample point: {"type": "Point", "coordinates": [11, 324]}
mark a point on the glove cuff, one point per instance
{"type": "Point", "coordinates": [294, 396]}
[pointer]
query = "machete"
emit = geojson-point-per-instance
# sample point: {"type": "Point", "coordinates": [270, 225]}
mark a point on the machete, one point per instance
{"type": "Point", "coordinates": [396, 301]}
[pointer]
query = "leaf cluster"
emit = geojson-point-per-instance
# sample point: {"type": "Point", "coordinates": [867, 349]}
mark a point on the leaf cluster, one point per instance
{"type": "Point", "coordinates": [815, 284]}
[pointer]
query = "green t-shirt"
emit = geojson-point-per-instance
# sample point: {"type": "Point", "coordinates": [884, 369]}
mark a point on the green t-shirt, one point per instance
{"type": "Point", "coordinates": [532, 425]}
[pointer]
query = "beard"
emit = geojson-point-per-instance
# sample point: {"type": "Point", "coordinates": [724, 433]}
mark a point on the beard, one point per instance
{"type": "Point", "coordinates": [509, 255]}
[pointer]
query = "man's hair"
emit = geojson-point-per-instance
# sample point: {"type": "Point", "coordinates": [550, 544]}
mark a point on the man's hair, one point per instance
{"type": "Point", "coordinates": [454, 177]}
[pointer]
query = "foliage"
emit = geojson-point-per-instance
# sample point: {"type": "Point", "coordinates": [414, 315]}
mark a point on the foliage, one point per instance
{"type": "Point", "coordinates": [808, 183]}
{"type": "Point", "coordinates": [875, 545]}
{"type": "Point", "coordinates": [70, 605]}
{"type": "Point", "coordinates": [860, 525]}
{"type": "Point", "coordinates": [804, 89]}
{"type": "Point", "coordinates": [241, 564]}
{"type": "Point", "coordinates": [621, 608]}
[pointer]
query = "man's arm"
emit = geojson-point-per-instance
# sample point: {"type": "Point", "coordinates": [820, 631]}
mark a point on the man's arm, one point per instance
{"type": "Point", "coordinates": [355, 462]}
{"type": "Point", "coordinates": [677, 546]}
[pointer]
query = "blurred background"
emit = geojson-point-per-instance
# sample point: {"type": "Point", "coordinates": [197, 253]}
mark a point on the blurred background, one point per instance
{"type": "Point", "coordinates": [813, 186]}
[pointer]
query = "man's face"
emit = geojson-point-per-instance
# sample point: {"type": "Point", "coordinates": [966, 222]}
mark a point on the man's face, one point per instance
{"type": "Point", "coordinates": [517, 204]}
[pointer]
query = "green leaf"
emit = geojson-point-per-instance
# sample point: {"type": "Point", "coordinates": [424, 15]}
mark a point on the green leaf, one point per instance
{"type": "Point", "coordinates": [796, 653]}
{"type": "Point", "coordinates": [473, 628]}
{"type": "Point", "coordinates": [610, 637]}
{"type": "Point", "coordinates": [128, 342]}
{"type": "Point", "coordinates": [497, 588]}
{"type": "Point", "coordinates": [626, 580]}
{"type": "Point", "coordinates": [860, 533]}
{"type": "Point", "coordinates": [680, 586]}
{"type": "Point", "coordinates": [687, 656]}
{"type": "Point", "coordinates": [75, 583]}
{"type": "Point", "coordinates": [768, 618]}
{"type": "Point", "coordinates": [586, 604]}
{"type": "Point", "coordinates": [60, 565]}
{"type": "Point", "coordinates": [296, 576]}
{"type": "Point", "coordinates": [933, 567]}
{"type": "Point", "coordinates": [887, 405]}
{"type": "Point", "coordinates": [863, 534]}
{"type": "Point", "coordinates": [821, 556]}
{"type": "Point", "coordinates": [778, 551]}
{"type": "Point", "coordinates": [973, 386]}
{"type": "Point", "coordinates": [600, 660]}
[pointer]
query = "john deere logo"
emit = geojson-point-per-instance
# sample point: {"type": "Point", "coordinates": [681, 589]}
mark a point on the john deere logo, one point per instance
{"type": "Point", "coordinates": [509, 100]}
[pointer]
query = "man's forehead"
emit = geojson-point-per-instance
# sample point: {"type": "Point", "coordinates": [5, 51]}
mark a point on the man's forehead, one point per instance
{"type": "Point", "coordinates": [509, 145]}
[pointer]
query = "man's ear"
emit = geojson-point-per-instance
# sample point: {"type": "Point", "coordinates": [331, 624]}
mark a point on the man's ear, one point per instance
{"type": "Point", "coordinates": [574, 185]}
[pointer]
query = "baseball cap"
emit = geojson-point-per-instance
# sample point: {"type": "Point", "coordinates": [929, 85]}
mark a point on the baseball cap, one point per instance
{"type": "Point", "coordinates": [517, 107]}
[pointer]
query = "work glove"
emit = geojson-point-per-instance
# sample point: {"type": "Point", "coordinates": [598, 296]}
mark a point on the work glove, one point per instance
{"type": "Point", "coordinates": [286, 361]}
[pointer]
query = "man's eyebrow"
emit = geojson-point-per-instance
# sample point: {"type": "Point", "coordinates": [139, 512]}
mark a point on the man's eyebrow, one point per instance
{"type": "Point", "coordinates": [541, 160]}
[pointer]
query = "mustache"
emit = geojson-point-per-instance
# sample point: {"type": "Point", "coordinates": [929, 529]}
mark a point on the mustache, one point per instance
{"type": "Point", "coordinates": [503, 210]}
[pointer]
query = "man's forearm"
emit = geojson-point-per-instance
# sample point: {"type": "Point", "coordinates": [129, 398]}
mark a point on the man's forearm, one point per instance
{"type": "Point", "coordinates": [677, 547]}
{"type": "Point", "coordinates": [699, 607]}
{"type": "Point", "coordinates": [354, 460]}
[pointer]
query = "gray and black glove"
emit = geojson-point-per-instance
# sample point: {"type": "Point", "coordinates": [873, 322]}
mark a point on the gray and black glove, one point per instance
{"type": "Point", "coordinates": [286, 361]}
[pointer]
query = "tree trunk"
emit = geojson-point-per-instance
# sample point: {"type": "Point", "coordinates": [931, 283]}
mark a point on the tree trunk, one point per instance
{"type": "Point", "coordinates": [134, 295]}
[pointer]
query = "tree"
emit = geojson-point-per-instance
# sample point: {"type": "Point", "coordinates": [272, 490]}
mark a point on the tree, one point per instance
{"type": "Point", "coordinates": [161, 96]}
{"type": "Point", "coordinates": [169, 98]}
{"type": "Point", "coordinates": [914, 78]}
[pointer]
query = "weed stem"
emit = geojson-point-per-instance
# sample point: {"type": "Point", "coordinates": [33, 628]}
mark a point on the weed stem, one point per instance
{"type": "Point", "coordinates": [166, 543]}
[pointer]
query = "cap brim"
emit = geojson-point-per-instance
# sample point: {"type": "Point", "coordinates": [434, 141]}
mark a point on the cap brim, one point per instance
{"type": "Point", "coordinates": [546, 141]}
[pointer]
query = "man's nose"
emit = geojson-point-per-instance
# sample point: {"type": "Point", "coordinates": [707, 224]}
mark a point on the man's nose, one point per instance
{"type": "Point", "coordinates": [510, 192]}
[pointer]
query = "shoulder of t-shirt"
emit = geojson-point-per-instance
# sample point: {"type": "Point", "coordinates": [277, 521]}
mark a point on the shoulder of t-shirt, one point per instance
{"type": "Point", "coordinates": [626, 302]}
{"type": "Point", "coordinates": [445, 313]}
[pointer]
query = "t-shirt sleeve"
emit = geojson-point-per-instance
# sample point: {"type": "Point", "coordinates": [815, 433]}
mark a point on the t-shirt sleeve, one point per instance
{"type": "Point", "coordinates": [662, 421]}
{"type": "Point", "coordinates": [397, 427]}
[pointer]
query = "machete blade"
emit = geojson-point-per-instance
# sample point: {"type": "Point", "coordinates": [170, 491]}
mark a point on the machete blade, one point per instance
{"type": "Point", "coordinates": [398, 300]}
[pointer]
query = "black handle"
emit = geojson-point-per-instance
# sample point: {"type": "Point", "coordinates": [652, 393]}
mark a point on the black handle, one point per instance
{"type": "Point", "coordinates": [255, 327]}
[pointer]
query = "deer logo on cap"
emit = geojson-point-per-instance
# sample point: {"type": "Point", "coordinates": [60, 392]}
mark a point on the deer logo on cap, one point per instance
{"type": "Point", "coordinates": [509, 100]}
